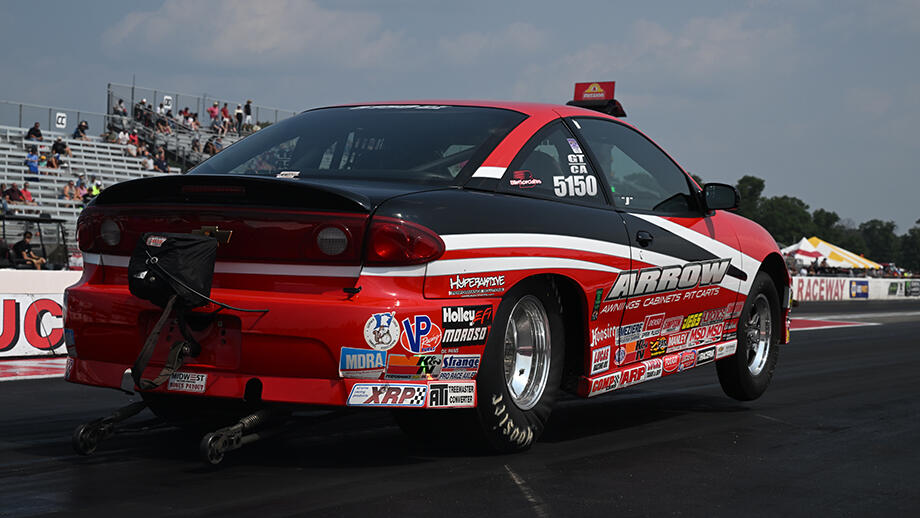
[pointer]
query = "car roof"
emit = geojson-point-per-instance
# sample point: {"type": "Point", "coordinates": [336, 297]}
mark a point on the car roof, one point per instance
{"type": "Point", "coordinates": [527, 108]}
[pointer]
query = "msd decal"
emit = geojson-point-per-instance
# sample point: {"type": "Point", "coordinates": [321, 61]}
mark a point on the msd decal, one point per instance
{"type": "Point", "coordinates": [420, 335]}
{"type": "Point", "coordinates": [465, 325]}
{"type": "Point", "coordinates": [649, 281]}
{"type": "Point", "coordinates": [652, 325]}
{"type": "Point", "coordinates": [387, 395]}
{"type": "Point", "coordinates": [600, 360]}
{"type": "Point", "coordinates": [605, 384]}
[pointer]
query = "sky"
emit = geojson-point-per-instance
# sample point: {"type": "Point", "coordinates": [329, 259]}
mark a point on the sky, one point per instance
{"type": "Point", "coordinates": [818, 98]}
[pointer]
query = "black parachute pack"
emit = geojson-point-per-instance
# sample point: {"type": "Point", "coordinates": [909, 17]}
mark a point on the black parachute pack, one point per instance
{"type": "Point", "coordinates": [174, 271]}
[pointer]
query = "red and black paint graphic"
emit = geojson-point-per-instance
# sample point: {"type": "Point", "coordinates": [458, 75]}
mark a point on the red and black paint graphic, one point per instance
{"type": "Point", "coordinates": [30, 326]}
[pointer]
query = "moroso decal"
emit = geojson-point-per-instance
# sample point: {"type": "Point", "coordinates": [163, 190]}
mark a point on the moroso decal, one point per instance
{"type": "Point", "coordinates": [420, 335]}
{"type": "Point", "coordinates": [600, 360]}
{"type": "Point", "coordinates": [381, 331]}
{"type": "Point", "coordinates": [452, 395]}
{"type": "Point", "coordinates": [465, 325]}
{"type": "Point", "coordinates": [387, 395]}
{"type": "Point", "coordinates": [648, 281]}
{"type": "Point", "coordinates": [605, 384]}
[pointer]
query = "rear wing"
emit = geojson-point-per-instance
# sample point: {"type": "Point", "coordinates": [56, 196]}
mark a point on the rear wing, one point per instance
{"type": "Point", "coordinates": [597, 96]}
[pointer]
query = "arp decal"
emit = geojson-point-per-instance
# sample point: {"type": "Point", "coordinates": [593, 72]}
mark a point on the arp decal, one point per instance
{"type": "Point", "coordinates": [420, 335]}
{"type": "Point", "coordinates": [361, 363]}
{"type": "Point", "coordinates": [381, 331]}
{"type": "Point", "coordinates": [605, 384]}
{"type": "Point", "coordinates": [632, 375]}
{"type": "Point", "coordinates": [465, 325]}
{"type": "Point", "coordinates": [649, 281]}
{"type": "Point", "coordinates": [387, 395]}
{"type": "Point", "coordinates": [451, 395]}
{"type": "Point", "coordinates": [600, 360]}
{"type": "Point", "coordinates": [414, 367]}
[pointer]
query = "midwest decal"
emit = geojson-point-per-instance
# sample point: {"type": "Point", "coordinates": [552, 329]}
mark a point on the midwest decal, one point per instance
{"type": "Point", "coordinates": [652, 280]}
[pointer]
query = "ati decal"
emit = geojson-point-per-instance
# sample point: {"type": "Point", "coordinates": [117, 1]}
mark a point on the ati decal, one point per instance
{"type": "Point", "coordinates": [601, 335]}
{"type": "Point", "coordinates": [524, 179]}
{"type": "Point", "coordinates": [476, 285]}
{"type": "Point", "coordinates": [687, 360]}
{"type": "Point", "coordinates": [705, 355]}
{"type": "Point", "coordinates": [692, 321]}
{"type": "Point", "coordinates": [361, 363]}
{"type": "Point", "coordinates": [652, 325]}
{"type": "Point", "coordinates": [465, 325]}
{"type": "Point", "coordinates": [460, 361]}
{"type": "Point", "coordinates": [653, 369]}
{"type": "Point", "coordinates": [598, 298]}
{"type": "Point", "coordinates": [451, 395]}
{"type": "Point", "coordinates": [671, 325]}
{"type": "Point", "coordinates": [413, 367]}
{"type": "Point", "coordinates": [648, 281]}
{"type": "Point", "coordinates": [420, 335]}
{"type": "Point", "coordinates": [620, 356]}
{"type": "Point", "coordinates": [657, 347]}
{"type": "Point", "coordinates": [632, 375]}
{"type": "Point", "coordinates": [381, 331]}
{"type": "Point", "coordinates": [678, 341]}
{"type": "Point", "coordinates": [600, 360]}
{"type": "Point", "coordinates": [387, 395]}
{"type": "Point", "coordinates": [671, 363]}
{"type": "Point", "coordinates": [726, 349]}
{"type": "Point", "coordinates": [605, 384]}
{"type": "Point", "coordinates": [628, 333]}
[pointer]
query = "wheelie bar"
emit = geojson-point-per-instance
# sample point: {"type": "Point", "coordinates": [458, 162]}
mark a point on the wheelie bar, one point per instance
{"type": "Point", "coordinates": [214, 445]}
{"type": "Point", "coordinates": [87, 437]}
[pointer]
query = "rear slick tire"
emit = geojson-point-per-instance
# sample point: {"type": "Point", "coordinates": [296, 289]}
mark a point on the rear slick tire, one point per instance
{"type": "Point", "coordinates": [747, 374]}
{"type": "Point", "coordinates": [521, 367]}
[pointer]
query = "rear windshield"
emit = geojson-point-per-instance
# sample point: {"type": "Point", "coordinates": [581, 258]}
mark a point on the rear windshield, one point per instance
{"type": "Point", "coordinates": [411, 143]}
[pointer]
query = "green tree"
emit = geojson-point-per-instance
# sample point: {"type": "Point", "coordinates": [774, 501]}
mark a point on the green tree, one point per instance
{"type": "Point", "coordinates": [698, 180]}
{"type": "Point", "coordinates": [827, 225]}
{"type": "Point", "coordinates": [882, 244]}
{"type": "Point", "coordinates": [750, 189]}
{"type": "Point", "coordinates": [786, 218]}
{"type": "Point", "coordinates": [910, 249]}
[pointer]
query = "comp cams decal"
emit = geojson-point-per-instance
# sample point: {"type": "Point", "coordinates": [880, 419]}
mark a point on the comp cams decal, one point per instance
{"type": "Point", "coordinates": [652, 280]}
{"type": "Point", "coordinates": [387, 395]}
{"type": "Point", "coordinates": [465, 325]}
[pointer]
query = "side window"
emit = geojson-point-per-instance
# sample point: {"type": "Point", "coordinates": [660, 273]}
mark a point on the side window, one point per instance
{"type": "Point", "coordinates": [640, 175]}
{"type": "Point", "coordinates": [553, 165]}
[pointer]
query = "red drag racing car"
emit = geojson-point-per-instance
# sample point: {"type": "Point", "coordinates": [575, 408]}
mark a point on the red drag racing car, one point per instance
{"type": "Point", "coordinates": [473, 256]}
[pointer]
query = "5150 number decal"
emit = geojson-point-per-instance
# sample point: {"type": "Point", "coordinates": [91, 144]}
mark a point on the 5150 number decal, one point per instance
{"type": "Point", "coordinates": [575, 186]}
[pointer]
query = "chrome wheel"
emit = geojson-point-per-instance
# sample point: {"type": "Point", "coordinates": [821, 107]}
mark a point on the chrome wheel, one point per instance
{"type": "Point", "coordinates": [758, 331]}
{"type": "Point", "coordinates": [527, 352]}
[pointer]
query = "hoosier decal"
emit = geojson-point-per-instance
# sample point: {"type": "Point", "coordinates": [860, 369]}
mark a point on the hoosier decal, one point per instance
{"type": "Point", "coordinates": [649, 281]}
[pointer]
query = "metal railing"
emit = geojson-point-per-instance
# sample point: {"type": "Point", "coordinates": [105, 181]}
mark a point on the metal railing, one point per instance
{"type": "Point", "coordinates": [54, 119]}
{"type": "Point", "coordinates": [176, 101]}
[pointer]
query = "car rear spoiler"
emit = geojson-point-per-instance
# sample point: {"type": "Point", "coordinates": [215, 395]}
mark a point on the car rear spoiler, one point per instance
{"type": "Point", "coordinates": [611, 107]}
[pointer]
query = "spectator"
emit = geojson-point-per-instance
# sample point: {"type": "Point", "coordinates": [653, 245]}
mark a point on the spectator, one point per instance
{"type": "Point", "coordinates": [70, 192]}
{"type": "Point", "coordinates": [196, 145]}
{"type": "Point", "coordinates": [132, 138]}
{"type": "Point", "coordinates": [163, 126]}
{"type": "Point", "coordinates": [238, 113]}
{"type": "Point", "coordinates": [34, 133]}
{"type": "Point", "coordinates": [80, 132]}
{"type": "Point", "coordinates": [81, 180]}
{"type": "Point", "coordinates": [209, 147]}
{"type": "Point", "coordinates": [161, 165]}
{"type": "Point", "coordinates": [53, 161]}
{"type": "Point", "coordinates": [61, 148]}
{"type": "Point", "coordinates": [248, 111]}
{"type": "Point", "coordinates": [13, 194]}
{"type": "Point", "coordinates": [27, 195]}
{"type": "Point", "coordinates": [161, 110]}
{"type": "Point", "coordinates": [140, 110]}
{"type": "Point", "coordinates": [120, 108]}
{"type": "Point", "coordinates": [31, 161]}
{"type": "Point", "coordinates": [123, 137]}
{"type": "Point", "coordinates": [219, 145]}
{"type": "Point", "coordinates": [95, 189]}
{"type": "Point", "coordinates": [147, 160]}
{"type": "Point", "coordinates": [4, 203]}
{"type": "Point", "coordinates": [214, 113]}
{"type": "Point", "coordinates": [82, 193]}
{"type": "Point", "coordinates": [22, 252]}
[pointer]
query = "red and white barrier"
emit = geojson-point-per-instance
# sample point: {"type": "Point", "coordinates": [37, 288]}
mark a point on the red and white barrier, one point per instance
{"type": "Point", "coordinates": [31, 315]}
{"type": "Point", "coordinates": [853, 288]}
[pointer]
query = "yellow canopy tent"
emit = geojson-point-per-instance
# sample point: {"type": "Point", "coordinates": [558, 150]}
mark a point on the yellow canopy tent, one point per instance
{"type": "Point", "coordinates": [839, 257]}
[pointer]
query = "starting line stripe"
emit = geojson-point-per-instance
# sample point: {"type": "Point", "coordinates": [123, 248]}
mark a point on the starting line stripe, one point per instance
{"type": "Point", "coordinates": [808, 324]}
{"type": "Point", "coordinates": [14, 370]}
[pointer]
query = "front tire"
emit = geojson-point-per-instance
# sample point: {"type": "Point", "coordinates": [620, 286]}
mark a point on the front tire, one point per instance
{"type": "Point", "coordinates": [747, 374]}
{"type": "Point", "coordinates": [521, 367]}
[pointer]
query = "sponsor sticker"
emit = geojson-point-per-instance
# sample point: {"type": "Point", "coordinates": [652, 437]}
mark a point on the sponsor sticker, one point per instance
{"type": "Point", "coordinates": [713, 315]}
{"type": "Point", "coordinates": [620, 356]}
{"type": "Point", "coordinates": [671, 363]}
{"type": "Point", "coordinates": [187, 382]}
{"type": "Point", "coordinates": [461, 361]}
{"type": "Point", "coordinates": [691, 321]}
{"type": "Point", "coordinates": [706, 355]}
{"type": "Point", "coordinates": [687, 360]}
{"type": "Point", "coordinates": [420, 335]}
{"type": "Point", "coordinates": [598, 298]}
{"type": "Point", "coordinates": [726, 349]}
{"type": "Point", "coordinates": [678, 341]}
{"type": "Point", "coordinates": [451, 395]}
{"type": "Point", "coordinates": [653, 368]}
{"type": "Point", "coordinates": [671, 325]}
{"type": "Point", "coordinates": [524, 179]}
{"type": "Point", "coordinates": [652, 325]}
{"type": "Point", "coordinates": [457, 375]}
{"type": "Point", "coordinates": [600, 360]}
{"type": "Point", "coordinates": [629, 333]}
{"type": "Point", "coordinates": [574, 145]}
{"type": "Point", "coordinates": [632, 375]}
{"type": "Point", "coordinates": [602, 334]}
{"type": "Point", "coordinates": [640, 349]}
{"type": "Point", "coordinates": [387, 395]}
{"type": "Point", "coordinates": [480, 285]}
{"type": "Point", "coordinates": [361, 363]}
{"type": "Point", "coordinates": [414, 367]}
{"type": "Point", "coordinates": [381, 331]}
{"type": "Point", "coordinates": [156, 241]}
{"type": "Point", "coordinates": [657, 347]}
{"type": "Point", "coordinates": [859, 289]}
{"type": "Point", "coordinates": [605, 384]}
{"type": "Point", "coordinates": [465, 325]}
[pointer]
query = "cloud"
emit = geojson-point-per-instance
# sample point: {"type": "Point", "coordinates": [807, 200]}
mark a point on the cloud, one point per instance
{"type": "Point", "coordinates": [472, 47]}
{"type": "Point", "coordinates": [245, 33]}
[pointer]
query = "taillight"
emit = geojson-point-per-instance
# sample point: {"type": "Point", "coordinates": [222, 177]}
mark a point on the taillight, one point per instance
{"type": "Point", "coordinates": [110, 232]}
{"type": "Point", "coordinates": [86, 232]}
{"type": "Point", "coordinates": [332, 240]}
{"type": "Point", "coordinates": [393, 242]}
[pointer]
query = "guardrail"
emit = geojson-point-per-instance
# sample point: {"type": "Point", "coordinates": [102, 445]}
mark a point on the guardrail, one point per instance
{"type": "Point", "coordinates": [806, 289]}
